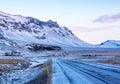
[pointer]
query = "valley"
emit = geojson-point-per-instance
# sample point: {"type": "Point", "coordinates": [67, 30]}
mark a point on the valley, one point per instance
{"type": "Point", "coordinates": [38, 52]}
{"type": "Point", "coordinates": [64, 64]}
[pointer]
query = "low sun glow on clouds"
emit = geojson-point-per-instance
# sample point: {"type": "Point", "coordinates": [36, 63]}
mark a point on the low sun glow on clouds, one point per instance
{"type": "Point", "coordinates": [105, 27]}
{"type": "Point", "coordinates": [109, 18]}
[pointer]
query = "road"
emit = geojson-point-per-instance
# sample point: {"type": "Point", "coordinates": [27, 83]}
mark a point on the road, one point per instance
{"type": "Point", "coordinates": [79, 72]}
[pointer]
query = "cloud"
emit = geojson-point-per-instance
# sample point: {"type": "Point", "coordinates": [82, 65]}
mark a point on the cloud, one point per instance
{"type": "Point", "coordinates": [108, 18]}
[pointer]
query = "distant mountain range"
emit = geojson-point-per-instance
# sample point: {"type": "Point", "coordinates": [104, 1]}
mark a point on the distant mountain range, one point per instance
{"type": "Point", "coordinates": [110, 44]}
{"type": "Point", "coordinates": [19, 30]}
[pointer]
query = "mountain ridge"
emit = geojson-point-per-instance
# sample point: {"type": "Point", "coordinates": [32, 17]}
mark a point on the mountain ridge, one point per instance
{"type": "Point", "coordinates": [26, 30]}
{"type": "Point", "coordinates": [110, 44]}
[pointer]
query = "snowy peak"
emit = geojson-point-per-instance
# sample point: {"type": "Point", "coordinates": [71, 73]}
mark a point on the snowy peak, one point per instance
{"type": "Point", "coordinates": [3, 14]}
{"type": "Point", "coordinates": [31, 30]}
{"type": "Point", "coordinates": [17, 18]}
{"type": "Point", "coordinates": [110, 44]}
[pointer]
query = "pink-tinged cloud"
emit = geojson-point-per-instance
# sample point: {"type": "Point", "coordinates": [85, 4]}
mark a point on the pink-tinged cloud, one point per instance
{"type": "Point", "coordinates": [108, 18]}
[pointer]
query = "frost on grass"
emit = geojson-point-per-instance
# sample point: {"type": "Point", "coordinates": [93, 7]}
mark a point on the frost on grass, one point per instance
{"type": "Point", "coordinates": [10, 69]}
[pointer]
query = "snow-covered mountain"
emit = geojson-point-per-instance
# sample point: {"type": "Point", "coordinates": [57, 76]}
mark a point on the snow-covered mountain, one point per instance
{"type": "Point", "coordinates": [110, 44]}
{"type": "Point", "coordinates": [26, 30]}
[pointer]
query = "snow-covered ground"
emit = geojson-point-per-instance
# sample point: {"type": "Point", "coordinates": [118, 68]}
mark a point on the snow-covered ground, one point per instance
{"type": "Point", "coordinates": [67, 72]}
{"type": "Point", "coordinates": [12, 70]}
{"type": "Point", "coordinates": [67, 67]}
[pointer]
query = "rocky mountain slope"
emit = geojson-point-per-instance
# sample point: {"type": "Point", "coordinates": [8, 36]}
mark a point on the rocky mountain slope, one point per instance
{"type": "Point", "coordinates": [20, 30]}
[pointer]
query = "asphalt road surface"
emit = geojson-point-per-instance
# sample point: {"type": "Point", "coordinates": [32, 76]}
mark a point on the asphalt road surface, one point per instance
{"type": "Point", "coordinates": [79, 72]}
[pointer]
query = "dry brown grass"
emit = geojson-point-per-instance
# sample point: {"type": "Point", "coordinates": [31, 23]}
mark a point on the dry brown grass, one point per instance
{"type": "Point", "coordinates": [114, 61]}
{"type": "Point", "coordinates": [15, 62]}
{"type": "Point", "coordinates": [39, 65]}
{"type": "Point", "coordinates": [50, 72]}
{"type": "Point", "coordinates": [11, 61]}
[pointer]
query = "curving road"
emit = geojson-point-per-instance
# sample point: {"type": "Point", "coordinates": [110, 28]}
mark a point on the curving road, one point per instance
{"type": "Point", "coordinates": [79, 72]}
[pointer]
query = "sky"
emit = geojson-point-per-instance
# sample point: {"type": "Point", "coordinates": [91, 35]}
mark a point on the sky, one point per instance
{"type": "Point", "coordinates": [93, 21]}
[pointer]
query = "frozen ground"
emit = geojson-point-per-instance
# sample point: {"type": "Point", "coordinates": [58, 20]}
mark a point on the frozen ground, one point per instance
{"type": "Point", "coordinates": [69, 67]}
{"type": "Point", "coordinates": [21, 69]}
{"type": "Point", "coordinates": [106, 56]}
